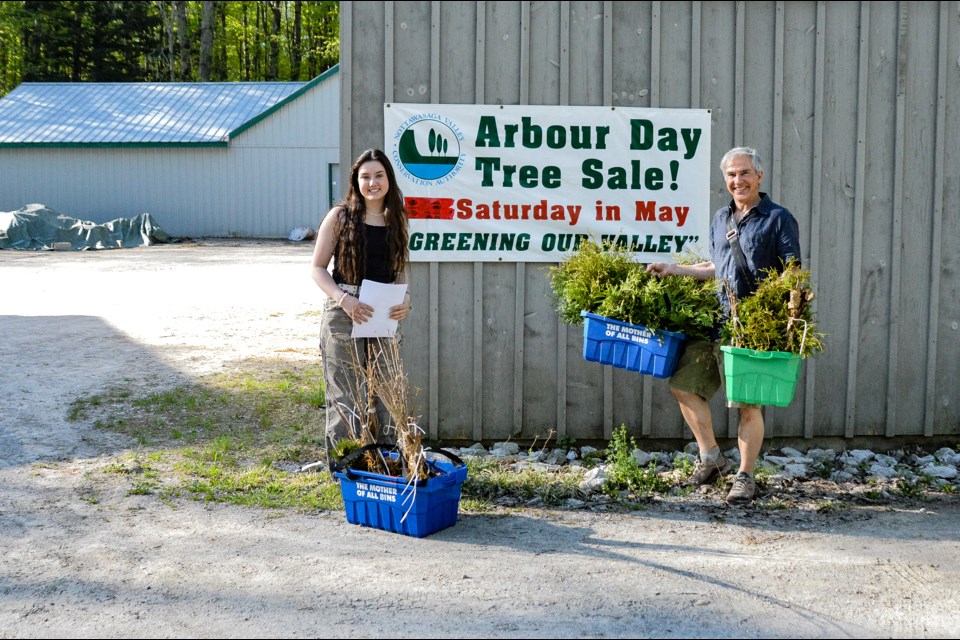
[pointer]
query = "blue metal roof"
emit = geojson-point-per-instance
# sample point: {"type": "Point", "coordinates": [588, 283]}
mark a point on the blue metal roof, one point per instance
{"type": "Point", "coordinates": [141, 113]}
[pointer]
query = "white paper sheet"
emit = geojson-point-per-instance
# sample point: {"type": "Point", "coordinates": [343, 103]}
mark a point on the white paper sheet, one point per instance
{"type": "Point", "coordinates": [381, 297]}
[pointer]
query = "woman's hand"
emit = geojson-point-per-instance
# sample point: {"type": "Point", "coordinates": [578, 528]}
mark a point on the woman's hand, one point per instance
{"type": "Point", "coordinates": [400, 312]}
{"type": "Point", "coordinates": [358, 311]}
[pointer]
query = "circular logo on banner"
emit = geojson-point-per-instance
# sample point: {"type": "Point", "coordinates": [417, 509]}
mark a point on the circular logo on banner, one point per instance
{"type": "Point", "coordinates": [428, 149]}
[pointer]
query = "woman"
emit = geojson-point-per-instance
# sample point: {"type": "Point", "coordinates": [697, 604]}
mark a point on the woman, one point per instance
{"type": "Point", "coordinates": [366, 238]}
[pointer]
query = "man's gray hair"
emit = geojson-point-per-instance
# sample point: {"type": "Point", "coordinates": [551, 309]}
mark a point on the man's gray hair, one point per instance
{"type": "Point", "coordinates": [736, 152]}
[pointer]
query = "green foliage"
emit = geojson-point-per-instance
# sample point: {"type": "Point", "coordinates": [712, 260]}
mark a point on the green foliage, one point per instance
{"type": "Point", "coordinates": [131, 41]}
{"type": "Point", "coordinates": [626, 474]}
{"type": "Point", "coordinates": [775, 317]}
{"type": "Point", "coordinates": [606, 281]}
{"type": "Point", "coordinates": [586, 277]}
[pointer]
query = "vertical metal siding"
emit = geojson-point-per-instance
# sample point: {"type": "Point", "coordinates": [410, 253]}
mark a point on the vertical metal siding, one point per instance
{"type": "Point", "coordinates": [854, 108]}
{"type": "Point", "coordinates": [946, 407]}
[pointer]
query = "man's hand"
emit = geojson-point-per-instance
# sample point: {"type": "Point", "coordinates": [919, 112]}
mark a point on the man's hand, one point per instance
{"type": "Point", "coordinates": [660, 269]}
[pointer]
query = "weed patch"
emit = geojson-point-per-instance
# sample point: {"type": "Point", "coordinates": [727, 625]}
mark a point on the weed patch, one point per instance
{"type": "Point", "coordinates": [627, 474]}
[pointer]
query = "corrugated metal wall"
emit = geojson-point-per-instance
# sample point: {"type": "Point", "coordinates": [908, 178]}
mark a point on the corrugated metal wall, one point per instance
{"type": "Point", "coordinates": [855, 107]}
{"type": "Point", "coordinates": [272, 177]}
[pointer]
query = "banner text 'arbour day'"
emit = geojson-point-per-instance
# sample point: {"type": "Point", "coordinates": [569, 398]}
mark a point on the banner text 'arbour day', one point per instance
{"type": "Point", "coordinates": [528, 183]}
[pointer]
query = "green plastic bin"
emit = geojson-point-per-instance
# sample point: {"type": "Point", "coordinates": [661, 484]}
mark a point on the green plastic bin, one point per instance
{"type": "Point", "coordinates": [760, 377]}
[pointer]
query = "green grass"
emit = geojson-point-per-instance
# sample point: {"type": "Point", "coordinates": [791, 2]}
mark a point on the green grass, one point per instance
{"type": "Point", "coordinates": [241, 436]}
{"type": "Point", "coordinates": [492, 478]}
{"type": "Point", "coordinates": [225, 438]}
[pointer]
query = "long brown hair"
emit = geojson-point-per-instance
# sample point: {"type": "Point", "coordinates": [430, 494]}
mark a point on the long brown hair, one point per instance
{"type": "Point", "coordinates": [351, 246]}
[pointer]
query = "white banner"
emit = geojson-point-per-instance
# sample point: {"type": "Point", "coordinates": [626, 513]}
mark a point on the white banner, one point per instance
{"type": "Point", "coordinates": [527, 183]}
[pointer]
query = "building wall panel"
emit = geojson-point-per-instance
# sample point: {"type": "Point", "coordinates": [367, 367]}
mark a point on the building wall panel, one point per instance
{"type": "Point", "coordinates": [847, 103]}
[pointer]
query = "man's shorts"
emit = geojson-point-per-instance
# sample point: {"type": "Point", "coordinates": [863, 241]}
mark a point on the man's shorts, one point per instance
{"type": "Point", "coordinates": [700, 370]}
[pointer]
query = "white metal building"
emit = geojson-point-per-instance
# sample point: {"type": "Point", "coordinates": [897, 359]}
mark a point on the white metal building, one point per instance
{"type": "Point", "coordinates": [253, 159]}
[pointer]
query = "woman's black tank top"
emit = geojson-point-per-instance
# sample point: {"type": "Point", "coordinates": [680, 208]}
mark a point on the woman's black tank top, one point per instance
{"type": "Point", "coordinates": [378, 267]}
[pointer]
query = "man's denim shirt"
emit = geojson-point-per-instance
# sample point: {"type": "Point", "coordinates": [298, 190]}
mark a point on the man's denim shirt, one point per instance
{"type": "Point", "coordinates": [769, 237]}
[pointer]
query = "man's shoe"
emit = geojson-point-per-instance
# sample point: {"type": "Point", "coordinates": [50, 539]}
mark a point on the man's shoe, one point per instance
{"type": "Point", "coordinates": [744, 488]}
{"type": "Point", "coordinates": [705, 473]}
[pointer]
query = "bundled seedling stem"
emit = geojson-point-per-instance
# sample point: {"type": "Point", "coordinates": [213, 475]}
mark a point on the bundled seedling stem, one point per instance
{"type": "Point", "coordinates": [383, 378]}
{"type": "Point", "coordinates": [391, 385]}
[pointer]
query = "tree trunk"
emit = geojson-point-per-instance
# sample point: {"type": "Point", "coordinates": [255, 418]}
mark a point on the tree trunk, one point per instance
{"type": "Point", "coordinates": [209, 8]}
{"type": "Point", "coordinates": [221, 67]}
{"type": "Point", "coordinates": [186, 67]}
{"type": "Point", "coordinates": [168, 26]}
{"type": "Point", "coordinates": [296, 54]}
{"type": "Point", "coordinates": [273, 64]}
{"type": "Point", "coordinates": [245, 43]}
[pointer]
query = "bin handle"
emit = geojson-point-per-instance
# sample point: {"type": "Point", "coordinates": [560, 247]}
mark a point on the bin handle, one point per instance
{"type": "Point", "coordinates": [803, 340]}
{"type": "Point", "coordinates": [344, 463]}
{"type": "Point", "coordinates": [453, 458]}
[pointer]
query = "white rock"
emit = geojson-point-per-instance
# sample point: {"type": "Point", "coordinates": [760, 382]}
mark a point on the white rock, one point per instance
{"type": "Point", "coordinates": [733, 455]}
{"type": "Point", "coordinates": [692, 447]}
{"type": "Point", "coordinates": [861, 455]}
{"type": "Point", "coordinates": [571, 455]}
{"type": "Point", "coordinates": [944, 454]}
{"type": "Point", "coordinates": [887, 461]}
{"type": "Point", "coordinates": [509, 448]}
{"type": "Point", "coordinates": [642, 458]}
{"type": "Point", "coordinates": [595, 479]}
{"type": "Point", "coordinates": [573, 502]}
{"type": "Point", "coordinates": [585, 451]}
{"type": "Point", "coordinates": [946, 472]}
{"type": "Point", "coordinates": [841, 476]}
{"type": "Point", "coordinates": [497, 453]}
{"type": "Point", "coordinates": [881, 471]}
{"type": "Point", "coordinates": [536, 455]}
{"type": "Point", "coordinates": [790, 452]}
{"type": "Point", "coordinates": [777, 460]}
{"type": "Point", "coordinates": [556, 456]}
{"type": "Point", "coordinates": [822, 454]}
{"type": "Point", "coordinates": [923, 460]}
{"type": "Point", "coordinates": [793, 470]}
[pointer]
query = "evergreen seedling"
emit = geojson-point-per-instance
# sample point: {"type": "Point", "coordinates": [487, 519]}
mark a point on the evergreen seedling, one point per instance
{"type": "Point", "coordinates": [777, 317]}
{"type": "Point", "coordinates": [606, 281]}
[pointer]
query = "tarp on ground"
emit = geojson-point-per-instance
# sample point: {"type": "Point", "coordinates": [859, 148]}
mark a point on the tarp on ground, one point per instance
{"type": "Point", "coordinates": [37, 227]}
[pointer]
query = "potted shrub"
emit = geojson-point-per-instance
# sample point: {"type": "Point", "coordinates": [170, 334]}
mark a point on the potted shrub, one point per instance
{"type": "Point", "coordinates": [767, 336]}
{"type": "Point", "coordinates": [633, 320]}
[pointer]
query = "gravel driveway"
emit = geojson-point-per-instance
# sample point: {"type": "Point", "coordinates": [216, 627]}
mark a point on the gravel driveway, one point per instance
{"type": "Point", "coordinates": [73, 323]}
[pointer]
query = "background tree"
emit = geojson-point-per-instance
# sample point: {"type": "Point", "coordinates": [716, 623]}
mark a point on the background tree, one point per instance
{"type": "Point", "coordinates": [209, 9]}
{"type": "Point", "coordinates": [166, 40]}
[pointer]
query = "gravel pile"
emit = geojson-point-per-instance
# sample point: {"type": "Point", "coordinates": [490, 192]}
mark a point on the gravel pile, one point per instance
{"type": "Point", "coordinates": [829, 473]}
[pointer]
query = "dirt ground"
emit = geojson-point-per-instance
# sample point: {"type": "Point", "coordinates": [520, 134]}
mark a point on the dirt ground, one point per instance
{"type": "Point", "coordinates": [136, 566]}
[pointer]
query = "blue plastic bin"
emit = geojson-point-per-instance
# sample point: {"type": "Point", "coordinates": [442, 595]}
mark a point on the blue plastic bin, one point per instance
{"type": "Point", "coordinates": [388, 503]}
{"type": "Point", "coordinates": [630, 346]}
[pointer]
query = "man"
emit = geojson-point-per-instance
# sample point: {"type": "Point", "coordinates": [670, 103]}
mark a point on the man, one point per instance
{"type": "Point", "coordinates": [768, 236]}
